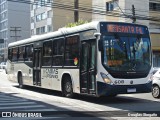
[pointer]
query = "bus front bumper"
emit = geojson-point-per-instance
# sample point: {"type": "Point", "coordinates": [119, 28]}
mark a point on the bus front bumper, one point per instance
{"type": "Point", "coordinates": [104, 89]}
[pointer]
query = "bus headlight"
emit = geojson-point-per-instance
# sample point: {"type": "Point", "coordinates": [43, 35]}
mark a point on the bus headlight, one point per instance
{"type": "Point", "coordinates": [151, 77]}
{"type": "Point", "coordinates": [106, 78]}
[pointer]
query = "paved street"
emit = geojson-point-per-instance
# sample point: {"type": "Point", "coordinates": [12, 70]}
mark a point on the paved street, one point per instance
{"type": "Point", "coordinates": [48, 102]}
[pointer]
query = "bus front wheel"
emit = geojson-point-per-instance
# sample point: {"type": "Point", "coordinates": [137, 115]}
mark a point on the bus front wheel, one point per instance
{"type": "Point", "coordinates": [20, 81]}
{"type": "Point", "coordinates": [155, 91]}
{"type": "Point", "coordinates": [67, 89]}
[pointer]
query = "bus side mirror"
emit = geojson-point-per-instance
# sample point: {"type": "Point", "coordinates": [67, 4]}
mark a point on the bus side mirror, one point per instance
{"type": "Point", "coordinates": [100, 45]}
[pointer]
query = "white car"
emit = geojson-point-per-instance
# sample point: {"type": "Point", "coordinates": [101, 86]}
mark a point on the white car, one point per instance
{"type": "Point", "coordinates": [3, 65]}
{"type": "Point", "coordinates": [156, 83]}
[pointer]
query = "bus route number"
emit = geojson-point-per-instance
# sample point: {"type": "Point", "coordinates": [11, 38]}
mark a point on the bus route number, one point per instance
{"type": "Point", "coordinates": [118, 82]}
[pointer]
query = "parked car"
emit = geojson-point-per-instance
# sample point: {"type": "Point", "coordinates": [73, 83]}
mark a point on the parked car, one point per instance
{"type": "Point", "coordinates": [3, 65]}
{"type": "Point", "coordinates": [156, 83]}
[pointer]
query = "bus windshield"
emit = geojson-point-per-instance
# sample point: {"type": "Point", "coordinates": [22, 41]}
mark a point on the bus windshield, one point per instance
{"type": "Point", "coordinates": [126, 53]}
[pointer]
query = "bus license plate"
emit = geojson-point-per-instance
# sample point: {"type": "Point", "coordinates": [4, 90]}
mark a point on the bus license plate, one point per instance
{"type": "Point", "coordinates": [130, 90]}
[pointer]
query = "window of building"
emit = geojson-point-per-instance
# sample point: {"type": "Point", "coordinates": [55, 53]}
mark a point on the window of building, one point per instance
{"type": "Point", "coordinates": [156, 59]}
{"type": "Point", "coordinates": [43, 16]}
{"type": "Point", "coordinates": [38, 18]}
{"type": "Point", "coordinates": [3, 6]}
{"type": "Point", "coordinates": [38, 31]}
{"type": "Point", "coordinates": [4, 15]}
{"type": "Point", "coordinates": [154, 6]}
{"type": "Point", "coordinates": [38, 3]}
{"type": "Point", "coordinates": [71, 50]}
{"type": "Point", "coordinates": [42, 29]}
{"type": "Point", "coordinates": [48, 1]}
{"type": "Point", "coordinates": [49, 27]}
{"type": "Point", "coordinates": [32, 32]}
{"type": "Point", "coordinates": [41, 3]}
{"type": "Point", "coordinates": [4, 34]}
{"type": "Point", "coordinates": [49, 14]}
{"type": "Point", "coordinates": [112, 5]}
{"type": "Point", "coordinates": [58, 52]}
{"type": "Point", "coordinates": [47, 53]}
{"type": "Point", "coordinates": [4, 25]}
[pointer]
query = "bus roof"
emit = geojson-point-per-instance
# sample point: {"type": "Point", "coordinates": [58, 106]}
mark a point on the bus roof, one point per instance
{"type": "Point", "coordinates": [60, 32]}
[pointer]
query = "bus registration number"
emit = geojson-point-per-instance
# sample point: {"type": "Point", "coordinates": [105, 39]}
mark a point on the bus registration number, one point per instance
{"type": "Point", "coordinates": [119, 82]}
{"type": "Point", "coordinates": [131, 90]}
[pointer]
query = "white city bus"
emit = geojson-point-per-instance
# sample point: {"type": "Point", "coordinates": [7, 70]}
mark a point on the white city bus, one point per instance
{"type": "Point", "coordinates": [97, 58]}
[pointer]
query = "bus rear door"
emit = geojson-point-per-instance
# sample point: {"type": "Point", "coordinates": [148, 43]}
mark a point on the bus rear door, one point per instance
{"type": "Point", "coordinates": [37, 67]}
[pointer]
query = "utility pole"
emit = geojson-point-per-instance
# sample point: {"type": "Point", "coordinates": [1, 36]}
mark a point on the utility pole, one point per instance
{"type": "Point", "coordinates": [133, 14]}
{"type": "Point", "coordinates": [76, 12]}
{"type": "Point", "coordinates": [15, 30]}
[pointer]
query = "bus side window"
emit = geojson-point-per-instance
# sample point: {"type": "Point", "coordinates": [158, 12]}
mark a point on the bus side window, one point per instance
{"type": "Point", "coordinates": [72, 51]}
{"type": "Point", "coordinates": [47, 53]}
{"type": "Point", "coordinates": [21, 53]}
{"type": "Point", "coordinates": [14, 54]}
{"type": "Point", "coordinates": [58, 52]}
{"type": "Point", "coordinates": [10, 54]}
{"type": "Point", "coordinates": [29, 53]}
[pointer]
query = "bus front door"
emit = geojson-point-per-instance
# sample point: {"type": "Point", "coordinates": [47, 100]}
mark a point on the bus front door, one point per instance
{"type": "Point", "coordinates": [88, 67]}
{"type": "Point", "coordinates": [37, 67]}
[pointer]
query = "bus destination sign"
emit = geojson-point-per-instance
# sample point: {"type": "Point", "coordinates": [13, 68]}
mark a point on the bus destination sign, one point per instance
{"type": "Point", "coordinates": [125, 29]}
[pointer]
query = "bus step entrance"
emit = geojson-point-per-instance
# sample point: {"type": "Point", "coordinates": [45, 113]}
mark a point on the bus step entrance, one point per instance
{"type": "Point", "coordinates": [39, 83]}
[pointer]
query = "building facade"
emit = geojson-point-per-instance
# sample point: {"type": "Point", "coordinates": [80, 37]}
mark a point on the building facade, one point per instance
{"type": "Point", "coordinates": [50, 15]}
{"type": "Point", "coordinates": [14, 24]}
{"type": "Point", "coordinates": [154, 11]}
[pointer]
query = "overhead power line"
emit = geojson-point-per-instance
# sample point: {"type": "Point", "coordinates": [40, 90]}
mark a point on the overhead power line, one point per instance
{"type": "Point", "coordinates": [95, 10]}
{"type": "Point", "coordinates": [71, 8]}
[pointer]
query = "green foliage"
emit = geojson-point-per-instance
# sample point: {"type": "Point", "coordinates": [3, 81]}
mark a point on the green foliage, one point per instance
{"type": "Point", "coordinates": [80, 22]}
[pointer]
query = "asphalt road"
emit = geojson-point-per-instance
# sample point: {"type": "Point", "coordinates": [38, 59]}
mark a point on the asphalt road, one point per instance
{"type": "Point", "coordinates": [47, 104]}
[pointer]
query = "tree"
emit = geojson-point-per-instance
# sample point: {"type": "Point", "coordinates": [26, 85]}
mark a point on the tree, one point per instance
{"type": "Point", "coordinates": [80, 22]}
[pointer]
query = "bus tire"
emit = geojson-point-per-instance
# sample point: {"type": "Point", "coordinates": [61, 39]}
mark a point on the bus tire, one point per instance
{"type": "Point", "coordinates": [67, 88]}
{"type": "Point", "coordinates": [155, 91]}
{"type": "Point", "coordinates": [113, 95]}
{"type": "Point", "coordinates": [20, 81]}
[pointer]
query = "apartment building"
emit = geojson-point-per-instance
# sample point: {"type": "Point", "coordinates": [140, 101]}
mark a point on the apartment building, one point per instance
{"type": "Point", "coordinates": [121, 10]}
{"type": "Point", "coordinates": [50, 15]}
{"type": "Point", "coordinates": [154, 11]}
{"type": "Point", "coordinates": [14, 24]}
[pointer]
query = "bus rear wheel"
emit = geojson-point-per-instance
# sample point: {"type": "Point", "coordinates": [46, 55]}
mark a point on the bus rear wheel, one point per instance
{"type": "Point", "coordinates": [20, 81]}
{"type": "Point", "coordinates": [67, 90]}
